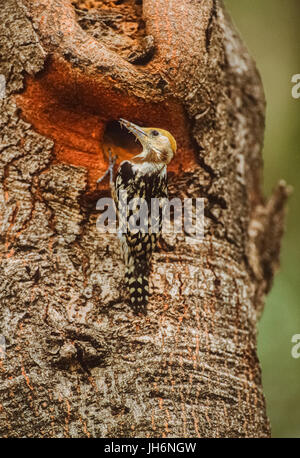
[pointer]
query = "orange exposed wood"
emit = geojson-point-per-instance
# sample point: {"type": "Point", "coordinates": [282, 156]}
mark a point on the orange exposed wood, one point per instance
{"type": "Point", "coordinates": [73, 109]}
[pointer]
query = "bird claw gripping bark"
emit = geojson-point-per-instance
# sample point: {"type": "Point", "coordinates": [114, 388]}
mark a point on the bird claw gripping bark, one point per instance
{"type": "Point", "coordinates": [110, 169]}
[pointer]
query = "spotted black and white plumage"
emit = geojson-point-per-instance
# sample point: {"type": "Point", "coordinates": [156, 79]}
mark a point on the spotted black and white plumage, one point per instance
{"type": "Point", "coordinates": [138, 244]}
{"type": "Point", "coordinates": [142, 177]}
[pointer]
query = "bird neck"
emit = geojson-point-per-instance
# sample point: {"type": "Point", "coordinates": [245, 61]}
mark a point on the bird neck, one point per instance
{"type": "Point", "coordinates": [152, 156]}
{"type": "Point", "coordinates": [146, 166]}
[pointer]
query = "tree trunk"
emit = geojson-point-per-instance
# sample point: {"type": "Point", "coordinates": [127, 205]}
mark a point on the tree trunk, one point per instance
{"type": "Point", "coordinates": [77, 362]}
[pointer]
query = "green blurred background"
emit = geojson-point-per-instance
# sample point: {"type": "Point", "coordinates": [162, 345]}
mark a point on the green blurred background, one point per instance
{"type": "Point", "coordinates": [271, 30]}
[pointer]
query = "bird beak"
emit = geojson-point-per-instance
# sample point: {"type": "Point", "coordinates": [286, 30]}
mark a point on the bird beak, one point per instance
{"type": "Point", "coordinates": [139, 133]}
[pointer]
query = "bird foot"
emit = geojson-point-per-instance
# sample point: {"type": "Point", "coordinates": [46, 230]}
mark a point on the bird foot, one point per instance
{"type": "Point", "coordinates": [110, 169]}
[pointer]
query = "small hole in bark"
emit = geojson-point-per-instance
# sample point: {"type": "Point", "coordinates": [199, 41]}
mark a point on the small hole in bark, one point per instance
{"type": "Point", "coordinates": [121, 142]}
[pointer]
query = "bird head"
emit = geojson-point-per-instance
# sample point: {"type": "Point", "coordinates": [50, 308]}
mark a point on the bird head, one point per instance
{"type": "Point", "coordinates": [158, 144]}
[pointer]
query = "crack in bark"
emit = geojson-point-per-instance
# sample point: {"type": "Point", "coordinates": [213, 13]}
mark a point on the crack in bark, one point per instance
{"type": "Point", "coordinates": [208, 32]}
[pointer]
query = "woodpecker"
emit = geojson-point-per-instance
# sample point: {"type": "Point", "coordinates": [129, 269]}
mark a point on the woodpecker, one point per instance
{"type": "Point", "coordinates": [141, 179]}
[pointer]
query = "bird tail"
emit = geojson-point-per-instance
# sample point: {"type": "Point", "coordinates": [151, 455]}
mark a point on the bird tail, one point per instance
{"type": "Point", "coordinates": [137, 281]}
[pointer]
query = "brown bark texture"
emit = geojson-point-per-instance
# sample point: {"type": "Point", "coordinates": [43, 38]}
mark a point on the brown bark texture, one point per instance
{"type": "Point", "coordinates": [77, 362]}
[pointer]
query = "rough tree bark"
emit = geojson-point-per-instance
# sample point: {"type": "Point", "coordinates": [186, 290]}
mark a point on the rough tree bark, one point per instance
{"type": "Point", "coordinates": [78, 363]}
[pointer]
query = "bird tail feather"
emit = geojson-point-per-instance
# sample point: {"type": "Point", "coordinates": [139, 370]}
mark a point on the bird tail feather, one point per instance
{"type": "Point", "coordinates": [137, 282]}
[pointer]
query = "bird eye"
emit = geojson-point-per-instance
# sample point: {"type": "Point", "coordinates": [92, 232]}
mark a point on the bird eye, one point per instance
{"type": "Point", "coordinates": [155, 133]}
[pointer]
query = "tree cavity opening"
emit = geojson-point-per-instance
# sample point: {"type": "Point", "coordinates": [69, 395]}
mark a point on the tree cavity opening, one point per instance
{"type": "Point", "coordinates": [120, 141]}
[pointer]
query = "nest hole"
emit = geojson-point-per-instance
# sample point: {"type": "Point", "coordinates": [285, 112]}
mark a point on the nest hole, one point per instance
{"type": "Point", "coordinates": [120, 141]}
